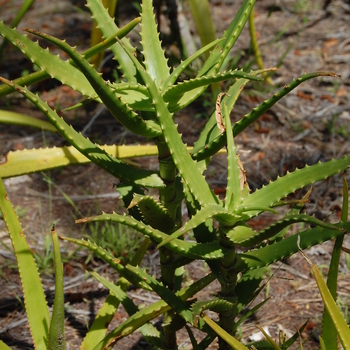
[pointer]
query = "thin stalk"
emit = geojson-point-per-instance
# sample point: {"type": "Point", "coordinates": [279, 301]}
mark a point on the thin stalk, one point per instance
{"type": "Point", "coordinates": [329, 332]}
{"type": "Point", "coordinates": [255, 46]}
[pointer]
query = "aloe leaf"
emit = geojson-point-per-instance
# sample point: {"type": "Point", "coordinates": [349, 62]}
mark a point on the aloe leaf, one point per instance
{"type": "Point", "coordinates": [182, 159]}
{"type": "Point", "coordinates": [174, 93]}
{"type": "Point", "coordinates": [24, 81]}
{"type": "Point", "coordinates": [51, 64]}
{"type": "Point", "coordinates": [127, 303]}
{"type": "Point", "coordinates": [35, 160]}
{"type": "Point", "coordinates": [247, 286]}
{"type": "Point", "coordinates": [154, 310]}
{"type": "Point", "coordinates": [228, 338]}
{"type": "Point", "coordinates": [247, 237]}
{"type": "Point", "coordinates": [218, 142]}
{"type": "Point", "coordinates": [217, 56]}
{"type": "Point", "coordinates": [205, 251]}
{"type": "Point", "coordinates": [111, 260]}
{"type": "Point", "coordinates": [56, 339]}
{"type": "Point", "coordinates": [154, 213]}
{"type": "Point", "coordinates": [90, 150]}
{"type": "Point", "coordinates": [133, 273]}
{"type": "Point", "coordinates": [329, 332]}
{"type": "Point", "coordinates": [201, 216]}
{"type": "Point", "coordinates": [98, 329]}
{"type": "Point", "coordinates": [135, 95]}
{"type": "Point", "coordinates": [172, 299]}
{"type": "Point", "coordinates": [287, 247]}
{"type": "Point", "coordinates": [154, 59]}
{"type": "Point", "coordinates": [183, 65]}
{"type": "Point", "coordinates": [110, 40]}
{"type": "Point", "coordinates": [96, 34]}
{"type": "Point", "coordinates": [337, 318]}
{"type": "Point", "coordinates": [108, 28]}
{"type": "Point", "coordinates": [217, 305]}
{"type": "Point", "coordinates": [233, 190]}
{"type": "Point", "coordinates": [322, 344]}
{"type": "Point", "coordinates": [119, 110]}
{"type": "Point", "coordinates": [296, 209]}
{"type": "Point", "coordinates": [299, 178]}
{"type": "Point", "coordinates": [210, 131]}
{"type": "Point", "coordinates": [14, 118]}
{"type": "Point", "coordinates": [269, 339]}
{"type": "Point", "coordinates": [42, 75]}
{"type": "Point", "coordinates": [33, 292]}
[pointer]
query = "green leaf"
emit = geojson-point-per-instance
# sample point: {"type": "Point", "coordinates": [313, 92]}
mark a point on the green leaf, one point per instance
{"type": "Point", "coordinates": [135, 95]}
{"type": "Point", "coordinates": [247, 237]}
{"type": "Point", "coordinates": [51, 64]}
{"type": "Point", "coordinates": [154, 310]}
{"type": "Point", "coordinates": [154, 59]}
{"type": "Point", "coordinates": [183, 65]}
{"type": "Point", "coordinates": [218, 55]}
{"type": "Point", "coordinates": [90, 150]}
{"type": "Point", "coordinates": [33, 292]}
{"type": "Point", "coordinates": [286, 247]}
{"type": "Point", "coordinates": [289, 183]}
{"type": "Point", "coordinates": [98, 329]}
{"type": "Point", "coordinates": [56, 333]}
{"type": "Point", "coordinates": [201, 216]}
{"type": "Point", "coordinates": [233, 190]}
{"type": "Point", "coordinates": [228, 338]}
{"type": "Point", "coordinates": [108, 28]}
{"type": "Point", "coordinates": [13, 118]}
{"type": "Point", "coordinates": [42, 75]}
{"type": "Point", "coordinates": [119, 110]}
{"type": "Point", "coordinates": [186, 167]}
{"type": "Point", "coordinates": [337, 318]}
{"type": "Point", "coordinates": [206, 251]}
{"type": "Point", "coordinates": [175, 92]}
{"type": "Point", "coordinates": [217, 141]}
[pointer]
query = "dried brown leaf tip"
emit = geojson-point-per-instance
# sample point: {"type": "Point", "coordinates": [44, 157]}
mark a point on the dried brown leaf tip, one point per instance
{"type": "Point", "coordinates": [218, 113]}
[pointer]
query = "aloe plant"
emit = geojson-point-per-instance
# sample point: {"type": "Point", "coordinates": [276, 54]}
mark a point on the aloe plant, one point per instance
{"type": "Point", "coordinates": [145, 103]}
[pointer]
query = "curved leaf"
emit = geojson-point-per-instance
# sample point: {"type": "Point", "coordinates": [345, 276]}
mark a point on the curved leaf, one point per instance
{"type": "Point", "coordinates": [299, 178]}
{"type": "Point", "coordinates": [14, 118]}
{"type": "Point", "coordinates": [287, 246]}
{"type": "Point", "coordinates": [85, 146]}
{"type": "Point", "coordinates": [119, 110]}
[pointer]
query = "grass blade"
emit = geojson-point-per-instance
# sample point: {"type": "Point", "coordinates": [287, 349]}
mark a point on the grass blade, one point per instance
{"type": "Point", "coordinates": [33, 292]}
{"type": "Point", "coordinates": [56, 333]}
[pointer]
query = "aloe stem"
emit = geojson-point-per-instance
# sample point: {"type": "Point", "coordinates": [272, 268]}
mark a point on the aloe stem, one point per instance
{"type": "Point", "coordinates": [167, 171]}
